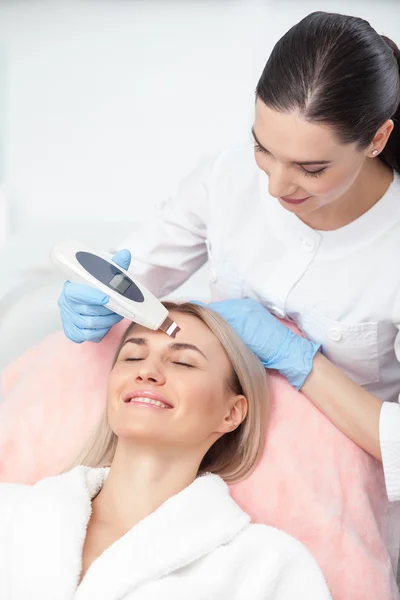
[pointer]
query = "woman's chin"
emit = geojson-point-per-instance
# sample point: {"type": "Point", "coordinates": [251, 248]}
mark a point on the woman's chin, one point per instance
{"type": "Point", "coordinates": [142, 430]}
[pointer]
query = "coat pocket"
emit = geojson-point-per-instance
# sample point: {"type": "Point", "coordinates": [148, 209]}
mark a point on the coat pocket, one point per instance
{"type": "Point", "coordinates": [353, 348]}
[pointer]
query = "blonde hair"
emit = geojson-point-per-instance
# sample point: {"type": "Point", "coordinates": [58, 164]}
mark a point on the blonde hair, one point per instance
{"type": "Point", "coordinates": [235, 454]}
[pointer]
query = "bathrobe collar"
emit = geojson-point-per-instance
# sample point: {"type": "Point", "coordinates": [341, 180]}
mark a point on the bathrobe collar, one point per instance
{"type": "Point", "coordinates": [51, 525]}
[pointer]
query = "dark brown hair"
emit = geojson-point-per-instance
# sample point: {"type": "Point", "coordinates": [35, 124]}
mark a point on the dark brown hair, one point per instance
{"type": "Point", "coordinates": [336, 69]}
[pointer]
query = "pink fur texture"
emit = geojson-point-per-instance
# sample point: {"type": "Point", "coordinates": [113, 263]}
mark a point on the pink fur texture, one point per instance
{"type": "Point", "coordinates": [312, 481]}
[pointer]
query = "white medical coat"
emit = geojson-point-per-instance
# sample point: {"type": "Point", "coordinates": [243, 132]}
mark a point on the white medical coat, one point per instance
{"type": "Point", "coordinates": [199, 544]}
{"type": "Point", "coordinates": [342, 288]}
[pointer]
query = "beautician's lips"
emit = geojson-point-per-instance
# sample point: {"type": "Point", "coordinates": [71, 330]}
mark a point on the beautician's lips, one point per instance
{"type": "Point", "coordinates": [147, 394]}
{"type": "Point", "coordinates": [294, 200]}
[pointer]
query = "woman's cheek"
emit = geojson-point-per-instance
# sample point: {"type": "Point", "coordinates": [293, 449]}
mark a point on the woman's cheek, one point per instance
{"type": "Point", "coordinates": [200, 395]}
{"type": "Point", "coordinates": [117, 379]}
{"type": "Point", "coordinates": [337, 181]}
{"type": "Point", "coordinates": [111, 383]}
{"type": "Point", "coordinates": [328, 186]}
{"type": "Point", "coordinates": [322, 189]}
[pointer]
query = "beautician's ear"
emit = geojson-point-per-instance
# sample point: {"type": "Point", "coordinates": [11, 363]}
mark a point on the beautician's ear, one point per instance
{"type": "Point", "coordinates": [236, 415]}
{"type": "Point", "coordinates": [380, 139]}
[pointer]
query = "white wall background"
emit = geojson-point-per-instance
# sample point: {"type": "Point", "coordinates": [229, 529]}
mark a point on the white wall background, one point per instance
{"type": "Point", "coordinates": [105, 105]}
{"type": "Point", "coordinates": [109, 103]}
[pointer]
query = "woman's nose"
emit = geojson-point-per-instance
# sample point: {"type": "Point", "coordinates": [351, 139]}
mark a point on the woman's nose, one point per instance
{"type": "Point", "coordinates": [149, 373]}
{"type": "Point", "coordinates": [279, 185]}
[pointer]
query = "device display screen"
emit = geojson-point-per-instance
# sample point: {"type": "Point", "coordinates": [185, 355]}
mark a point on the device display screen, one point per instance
{"type": "Point", "coordinates": [109, 275]}
{"type": "Point", "coordinates": [120, 283]}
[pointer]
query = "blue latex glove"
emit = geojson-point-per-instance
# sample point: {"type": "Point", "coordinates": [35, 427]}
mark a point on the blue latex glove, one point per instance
{"type": "Point", "coordinates": [272, 342]}
{"type": "Point", "coordinates": [83, 314]}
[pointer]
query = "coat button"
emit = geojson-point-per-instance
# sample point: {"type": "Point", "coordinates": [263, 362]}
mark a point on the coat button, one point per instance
{"type": "Point", "coordinates": [335, 334]}
{"type": "Point", "coordinates": [308, 245]}
{"type": "Point", "coordinates": [213, 275]}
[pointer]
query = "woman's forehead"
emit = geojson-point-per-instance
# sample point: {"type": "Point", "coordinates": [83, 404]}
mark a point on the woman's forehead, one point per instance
{"type": "Point", "coordinates": [192, 331]}
{"type": "Point", "coordinates": [289, 134]}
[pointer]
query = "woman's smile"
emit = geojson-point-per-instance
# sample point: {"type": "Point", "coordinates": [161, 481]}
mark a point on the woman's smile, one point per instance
{"type": "Point", "coordinates": [147, 398]}
{"type": "Point", "coordinates": [295, 200]}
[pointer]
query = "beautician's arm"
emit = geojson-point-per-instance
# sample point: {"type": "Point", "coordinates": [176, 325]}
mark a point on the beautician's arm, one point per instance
{"type": "Point", "coordinates": [372, 424]}
{"type": "Point", "coordinates": [353, 410]}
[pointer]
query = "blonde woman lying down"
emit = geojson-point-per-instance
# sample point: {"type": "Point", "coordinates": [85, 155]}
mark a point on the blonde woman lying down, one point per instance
{"type": "Point", "coordinates": [149, 515]}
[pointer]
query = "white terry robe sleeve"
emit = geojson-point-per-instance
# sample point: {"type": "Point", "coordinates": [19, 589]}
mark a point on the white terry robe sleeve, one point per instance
{"type": "Point", "coordinates": [171, 245]}
{"type": "Point", "coordinates": [389, 432]}
{"type": "Point", "coordinates": [10, 495]}
{"type": "Point", "coordinates": [302, 578]}
{"type": "Point", "coordinates": [283, 569]}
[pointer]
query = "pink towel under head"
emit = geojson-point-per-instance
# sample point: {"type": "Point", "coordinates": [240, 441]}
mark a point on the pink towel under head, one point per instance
{"type": "Point", "coordinates": [312, 481]}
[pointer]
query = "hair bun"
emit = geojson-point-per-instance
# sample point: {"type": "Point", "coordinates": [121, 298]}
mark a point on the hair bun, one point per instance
{"type": "Point", "coordinates": [393, 46]}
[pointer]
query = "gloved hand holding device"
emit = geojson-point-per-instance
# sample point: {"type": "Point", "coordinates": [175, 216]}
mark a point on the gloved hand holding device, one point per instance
{"type": "Point", "coordinates": [83, 314]}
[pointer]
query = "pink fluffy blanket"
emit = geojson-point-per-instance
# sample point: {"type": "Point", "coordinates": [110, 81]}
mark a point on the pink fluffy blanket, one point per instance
{"type": "Point", "coordinates": [312, 481]}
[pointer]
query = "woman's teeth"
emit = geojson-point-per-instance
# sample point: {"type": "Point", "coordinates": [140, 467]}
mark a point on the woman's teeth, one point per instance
{"type": "Point", "coordinates": [150, 401]}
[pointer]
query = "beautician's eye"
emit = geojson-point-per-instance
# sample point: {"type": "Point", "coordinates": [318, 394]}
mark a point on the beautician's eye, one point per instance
{"type": "Point", "coordinates": [318, 173]}
{"type": "Point", "coordinates": [313, 173]}
{"type": "Point", "coordinates": [133, 359]}
{"type": "Point", "coordinates": [259, 148]}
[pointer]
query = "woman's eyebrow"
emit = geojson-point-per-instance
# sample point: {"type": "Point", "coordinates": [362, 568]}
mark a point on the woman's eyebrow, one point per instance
{"type": "Point", "coordinates": [183, 346]}
{"type": "Point", "coordinates": [253, 133]}
{"type": "Point", "coordinates": [303, 162]}
{"type": "Point", "coordinates": [174, 346]}
{"type": "Point", "coordinates": [137, 341]}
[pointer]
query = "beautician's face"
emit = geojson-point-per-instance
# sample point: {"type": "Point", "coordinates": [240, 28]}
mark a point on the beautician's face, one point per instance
{"type": "Point", "coordinates": [291, 142]}
{"type": "Point", "coordinates": [182, 399]}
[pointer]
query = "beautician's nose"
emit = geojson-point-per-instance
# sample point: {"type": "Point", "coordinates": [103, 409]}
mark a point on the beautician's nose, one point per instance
{"type": "Point", "coordinates": [150, 372]}
{"type": "Point", "coordinates": [279, 183]}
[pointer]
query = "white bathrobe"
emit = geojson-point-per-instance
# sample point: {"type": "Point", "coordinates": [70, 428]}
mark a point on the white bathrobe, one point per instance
{"type": "Point", "coordinates": [199, 545]}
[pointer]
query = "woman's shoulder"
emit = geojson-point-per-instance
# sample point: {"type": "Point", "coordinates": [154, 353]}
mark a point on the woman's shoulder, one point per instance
{"type": "Point", "coordinates": [13, 492]}
{"type": "Point", "coordinates": [265, 536]}
{"type": "Point", "coordinates": [79, 483]}
{"type": "Point", "coordinates": [11, 495]}
{"type": "Point", "coordinates": [275, 555]}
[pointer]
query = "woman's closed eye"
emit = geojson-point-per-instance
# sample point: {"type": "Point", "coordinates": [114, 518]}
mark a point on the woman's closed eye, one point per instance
{"type": "Point", "coordinates": [313, 173]}
{"type": "Point", "coordinates": [259, 148]}
{"type": "Point", "coordinates": [174, 362]}
{"type": "Point", "coordinates": [305, 172]}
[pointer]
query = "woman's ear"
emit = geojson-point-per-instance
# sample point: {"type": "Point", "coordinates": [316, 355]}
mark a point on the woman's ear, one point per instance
{"type": "Point", "coordinates": [380, 139]}
{"type": "Point", "coordinates": [237, 411]}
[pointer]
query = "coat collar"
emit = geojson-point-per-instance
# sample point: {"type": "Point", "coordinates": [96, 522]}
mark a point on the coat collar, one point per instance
{"type": "Point", "coordinates": [50, 531]}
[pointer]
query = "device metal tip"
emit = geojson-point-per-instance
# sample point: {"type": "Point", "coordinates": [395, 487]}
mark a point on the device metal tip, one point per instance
{"type": "Point", "coordinates": [170, 327]}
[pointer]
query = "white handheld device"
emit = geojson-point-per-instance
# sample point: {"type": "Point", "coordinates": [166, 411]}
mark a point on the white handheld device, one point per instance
{"type": "Point", "coordinates": [127, 297]}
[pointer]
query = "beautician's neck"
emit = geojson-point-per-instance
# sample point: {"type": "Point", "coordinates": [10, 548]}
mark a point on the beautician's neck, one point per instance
{"type": "Point", "coordinates": [140, 481]}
